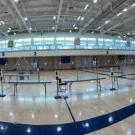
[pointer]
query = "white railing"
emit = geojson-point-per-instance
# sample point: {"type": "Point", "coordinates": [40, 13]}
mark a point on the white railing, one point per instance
{"type": "Point", "coordinates": [58, 47]}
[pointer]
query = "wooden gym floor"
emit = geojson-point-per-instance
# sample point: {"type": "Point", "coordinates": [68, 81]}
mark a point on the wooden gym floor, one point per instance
{"type": "Point", "coordinates": [31, 107]}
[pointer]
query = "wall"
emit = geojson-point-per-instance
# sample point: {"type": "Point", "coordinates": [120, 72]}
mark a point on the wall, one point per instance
{"type": "Point", "coordinates": [54, 63]}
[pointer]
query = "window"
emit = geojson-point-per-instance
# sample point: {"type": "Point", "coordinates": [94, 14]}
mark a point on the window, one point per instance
{"type": "Point", "coordinates": [38, 41]}
{"type": "Point", "coordinates": [60, 41]}
{"type": "Point", "coordinates": [22, 42]}
{"type": "Point", "coordinates": [69, 41]}
{"type": "Point", "coordinates": [91, 42]}
{"type": "Point", "coordinates": [108, 43]}
{"type": "Point", "coordinates": [49, 41]}
{"type": "Point", "coordinates": [83, 41]}
{"type": "Point", "coordinates": [101, 43]}
{"type": "Point", "coordinates": [3, 44]}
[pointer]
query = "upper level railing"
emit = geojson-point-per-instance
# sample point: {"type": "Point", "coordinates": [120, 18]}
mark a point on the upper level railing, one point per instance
{"type": "Point", "coordinates": [59, 47]}
{"type": "Point", "coordinates": [68, 42]}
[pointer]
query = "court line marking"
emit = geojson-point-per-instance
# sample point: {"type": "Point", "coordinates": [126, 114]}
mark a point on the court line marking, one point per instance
{"type": "Point", "coordinates": [70, 111]}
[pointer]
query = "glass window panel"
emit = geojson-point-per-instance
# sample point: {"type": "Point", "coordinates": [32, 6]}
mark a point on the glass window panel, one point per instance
{"type": "Point", "coordinates": [18, 44]}
{"type": "Point", "coordinates": [108, 43]}
{"type": "Point", "coordinates": [27, 40]}
{"type": "Point", "coordinates": [92, 39]}
{"type": "Point", "coordinates": [70, 38]}
{"type": "Point", "coordinates": [83, 39]}
{"type": "Point", "coordinates": [49, 39]}
{"type": "Point", "coordinates": [101, 42]}
{"type": "Point", "coordinates": [60, 38]}
{"type": "Point", "coordinates": [38, 39]}
{"type": "Point", "coordinates": [108, 40]}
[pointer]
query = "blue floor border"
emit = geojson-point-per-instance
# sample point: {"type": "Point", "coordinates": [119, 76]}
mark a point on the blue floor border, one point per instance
{"type": "Point", "coordinates": [77, 128]}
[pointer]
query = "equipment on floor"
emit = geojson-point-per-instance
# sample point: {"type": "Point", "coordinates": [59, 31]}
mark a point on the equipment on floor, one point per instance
{"type": "Point", "coordinates": [32, 82]}
{"type": "Point", "coordinates": [1, 83]}
{"type": "Point", "coordinates": [35, 67]}
{"type": "Point", "coordinates": [112, 79]}
{"type": "Point", "coordinates": [22, 67]}
{"type": "Point", "coordinates": [70, 81]}
{"type": "Point", "coordinates": [62, 87]}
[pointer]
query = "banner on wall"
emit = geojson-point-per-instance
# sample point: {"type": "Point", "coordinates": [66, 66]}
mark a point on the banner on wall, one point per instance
{"type": "Point", "coordinates": [77, 41]}
{"type": "Point", "coordinates": [10, 43]}
{"type": "Point", "coordinates": [128, 44]}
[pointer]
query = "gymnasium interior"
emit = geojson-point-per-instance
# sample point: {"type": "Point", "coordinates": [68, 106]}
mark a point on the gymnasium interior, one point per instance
{"type": "Point", "coordinates": [67, 67]}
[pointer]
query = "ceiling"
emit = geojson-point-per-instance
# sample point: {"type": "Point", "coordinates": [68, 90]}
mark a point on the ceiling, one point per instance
{"type": "Point", "coordinates": [82, 16]}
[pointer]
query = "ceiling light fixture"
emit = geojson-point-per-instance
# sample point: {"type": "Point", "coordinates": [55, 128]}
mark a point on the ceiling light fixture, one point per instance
{"type": "Point", "coordinates": [99, 27]}
{"type": "Point", "coordinates": [54, 17]}
{"type": "Point", "coordinates": [8, 31]}
{"type": "Point", "coordinates": [86, 6]}
{"type": "Point", "coordinates": [2, 22]}
{"type": "Point", "coordinates": [92, 32]}
{"type": "Point", "coordinates": [95, 1]}
{"type": "Point", "coordinates": [76, 28]}
{"type": "Point", "coordinates": [106, 22]}
{"type": "Point", "coordinates": [133, 5]}
{"type": "Point", "coordinates": [82, 18]}
{"type": "Point", "coordinates": [16, 1]}
{"type": "Point", "coordinates": [125, 10]}
{"type": "Point", "coordinates": [78, 18]}
{"type": "Point", "coordinates": [9, 28]}
{"type": "Point", "coordinates": [25, 18]}
{"type": "Point", "coordinates": [53, 28]}
{"type": "Point", "coordinates": [30, 28]}
{"type": "Point", "coordinates": [119, 14]}
{"type": "Point", "coordinates": [119, 36]}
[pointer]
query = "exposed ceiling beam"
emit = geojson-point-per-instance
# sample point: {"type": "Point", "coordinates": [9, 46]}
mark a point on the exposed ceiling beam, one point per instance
{"type": "Point", "coordinates": [103, 14]}
{"type": "Point", "coordinates": [24, 11]}
{"type": "Point", "coordinates": [20, 15]}
{"type": "Point", "coordinates": [69, 5]}
{"type": "Point", "coordinates": [59, 13]}
{"type": "Point", "coordinates": [119, 24]}
{"type": "Point", "coordinates": [67, 9]}
{"type": "Point", "coordinates": [3, 2]}
{"type": "Point", "coordinates": [86, 25]}
{"type": "Point", "coordinates": [3, 33]}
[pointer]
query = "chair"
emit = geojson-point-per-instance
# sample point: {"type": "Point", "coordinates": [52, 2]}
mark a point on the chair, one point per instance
{"type": "Point", "coordinates": [63, 87]}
